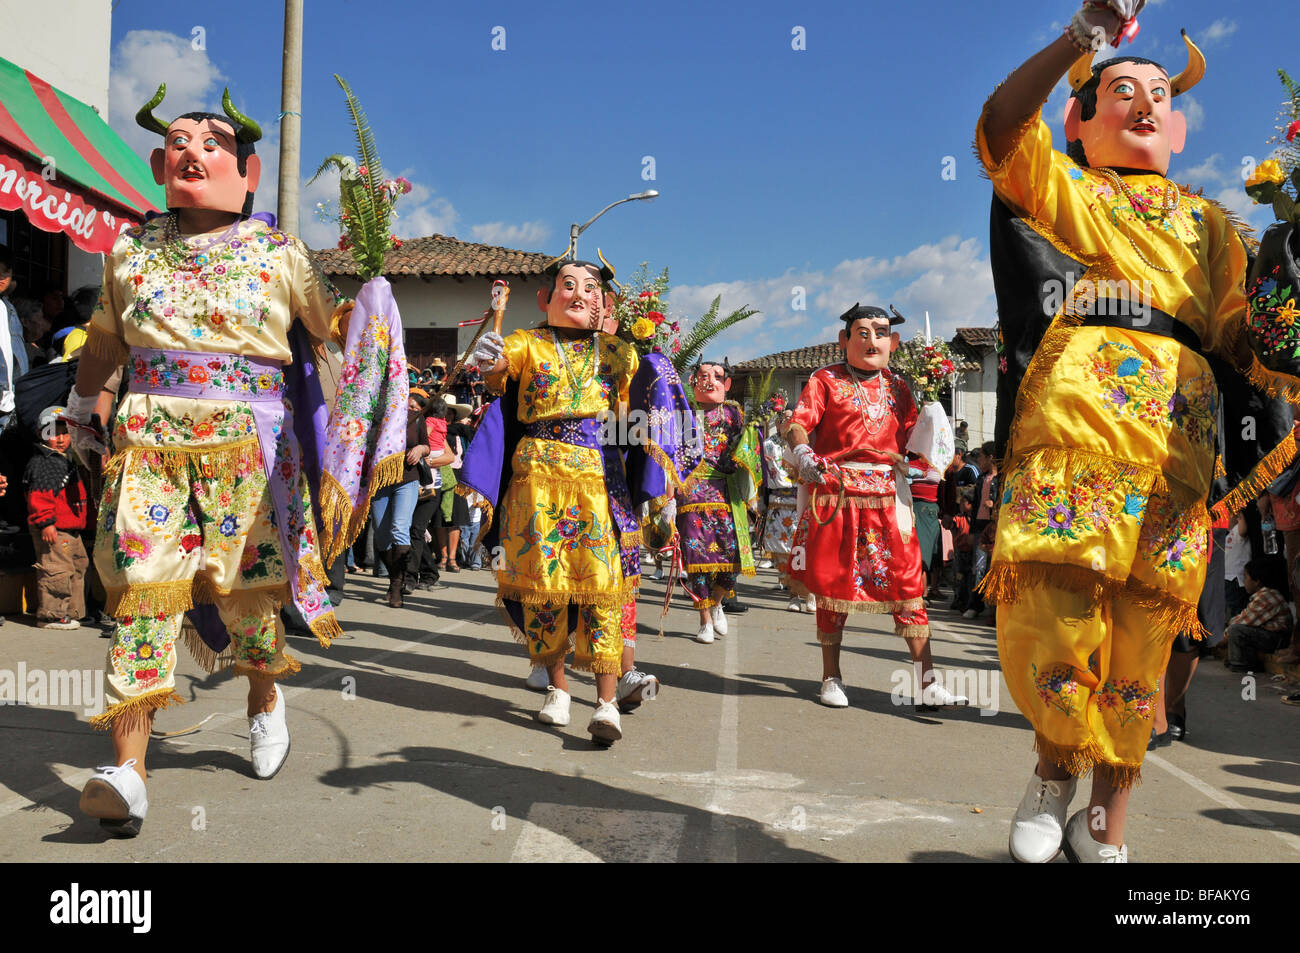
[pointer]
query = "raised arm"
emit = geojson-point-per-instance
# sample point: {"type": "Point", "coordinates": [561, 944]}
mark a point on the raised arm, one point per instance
{"type": "Point", "coordinates": [1025, 90]}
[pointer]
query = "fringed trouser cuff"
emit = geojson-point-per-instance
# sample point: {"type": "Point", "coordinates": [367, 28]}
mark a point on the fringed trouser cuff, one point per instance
{"type": "Point", "coordinates": [141, 706]}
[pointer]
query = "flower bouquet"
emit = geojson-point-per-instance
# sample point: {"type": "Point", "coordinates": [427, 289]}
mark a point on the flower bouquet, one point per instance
{"type": "Point", "coordinates": [928, 366]}
{"type": "Point", "coordinates": [1273, 285]}
{"type": "Point", "coordinates": [642, 315]}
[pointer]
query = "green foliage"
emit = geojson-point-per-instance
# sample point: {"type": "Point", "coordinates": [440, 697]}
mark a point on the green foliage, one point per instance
{"type": "Point", "coordinates": [705, 330]}
{"type": "Point", "coordinates": [365, 199]}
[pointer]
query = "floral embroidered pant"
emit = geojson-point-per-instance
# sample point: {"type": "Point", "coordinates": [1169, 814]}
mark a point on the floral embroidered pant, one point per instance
{"type": "Point", "coordinates": [598, 645]}
{"type": "Point", "coordinates": [1085, 675]}
{"type": "Point", "coordinates": [701, 585]}
{"type": "Point", "coordinates": [830, 624]}
{"type": "Point", "coordinates": [141, 665]}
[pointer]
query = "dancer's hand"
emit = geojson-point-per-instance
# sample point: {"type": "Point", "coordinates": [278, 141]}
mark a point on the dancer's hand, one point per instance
{"type": "Point", "coordinates": [50, 535]}
{"type": "Point", "coordinates": [669, 511]}
{"type": "Point", "coordinates": [489, 349]}
{"type": "Point", "coordinates": [78, 412]}
{"type": "Point", "coordinates": [1104, 21]}
{"type": "Point", "coordinates": [810, 470]}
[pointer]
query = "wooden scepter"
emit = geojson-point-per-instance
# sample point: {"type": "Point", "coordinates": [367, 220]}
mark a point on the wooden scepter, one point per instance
{"type": "Point", "coordinates": [500, 295]}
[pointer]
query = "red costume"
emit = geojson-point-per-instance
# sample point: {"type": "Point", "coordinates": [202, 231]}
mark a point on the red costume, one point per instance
{"type": "Point", "coordinates": [861, 560]}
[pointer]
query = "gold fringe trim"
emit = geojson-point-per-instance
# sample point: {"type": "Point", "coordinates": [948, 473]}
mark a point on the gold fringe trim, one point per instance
{"type": "Point", "coordinates": [1151, 479]}
{"type": "Point", "coordinates": [291, 666]}
{"type": "Point", "coordinates": [106, 346]}
{"type": "Point", "coordinates": [1263, 473]}
{"type": "Point", "coordinates": [602, 598]}
{"type": "Point", "coordinates": [853, 608]}
{"type": "Point", "coordinates": [830, 638]}
{"type": "Point", "coordinates": [337, 510]}
{"type": "Point", "coordinates": [1273, 383]}
{"type": "Point", "coordinates": [221, 461]}
{"type": "Point", "coordinates": [660, 456]}
{"type": "Point", "coordinates": [1169, 616]}
{"type": "Point", "coordinates": [140, 706]}
{"type": "Point", "coordinates": [326, 629]}
{"type": "Point", "coordinates": [204, 654]}
{"type": "Point", "coordinates": [699, 507]}
{"type": "Point", "coordinates": [818, 497]}
{"type": "Point", "coordinates": [244, 601]}
{"type": "Point", "coordinates": [912, 631]}
{"type": "Point", "coordinates": [150, 599]}
{"type": "Point", "coordinates": [712, 567]}
{"type": "Point", "coordinates": [1079, 760]}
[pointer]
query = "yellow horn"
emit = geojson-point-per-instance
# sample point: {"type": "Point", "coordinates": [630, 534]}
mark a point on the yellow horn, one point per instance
{"type": "Point", "coordinates": [1195, 70]}
{"type": "Point", "coordinates": [1081, 71]}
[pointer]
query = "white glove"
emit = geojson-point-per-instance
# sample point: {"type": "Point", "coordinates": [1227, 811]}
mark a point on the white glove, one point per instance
{"type": "Point", "coordinates": [805, 460]}
{"type": "Point", "coordinates": [669, 511]}
{"type": "Point", "coordinates": [488, 350]}
{"type": "Point", "coordinates": [1100, 21]}
{"type": "Point", "coordinates": [78, 411]}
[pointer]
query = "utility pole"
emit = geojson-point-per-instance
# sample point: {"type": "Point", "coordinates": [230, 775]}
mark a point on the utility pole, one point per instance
{"type": "Point", "coordinates": [290, 117]}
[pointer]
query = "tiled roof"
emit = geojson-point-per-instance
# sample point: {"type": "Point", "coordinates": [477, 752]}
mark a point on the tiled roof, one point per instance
{"type": "Point", "coordinates": [978, 337]}
{"type": "Point", "coordinates": [799, 359]}
{"type": "Point", "coordinates": [441, 255]}
{"type": "Point", "coordinates": [819, 355]}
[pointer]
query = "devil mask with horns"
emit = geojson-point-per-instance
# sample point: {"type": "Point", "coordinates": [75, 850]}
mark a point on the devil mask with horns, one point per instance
{"type": "Point", "coordinates": [207, 161]}
{"type": "Point", "coordinates": [579, 293]}
{"type": "Point", "coordinates": [1121, 114]}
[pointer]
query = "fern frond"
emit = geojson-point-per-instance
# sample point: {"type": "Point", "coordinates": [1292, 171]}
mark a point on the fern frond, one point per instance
{"type": "Point", "coordinates": [708, 328]}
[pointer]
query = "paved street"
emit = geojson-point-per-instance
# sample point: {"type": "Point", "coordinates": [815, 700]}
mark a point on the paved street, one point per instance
{"type": "Point", "coordinates": [414, 739]}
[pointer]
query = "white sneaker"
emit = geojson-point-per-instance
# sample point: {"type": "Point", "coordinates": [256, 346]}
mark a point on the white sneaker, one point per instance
{"type": "Point", "coordinates": [646, 559]}
{"type": "Point", "coordinates": [604, 725]}
{"type": "Point", "coordinates": [719, 620]}
{"type": "Point", "coordinates": [810, 604]}
{"type": "Point", "coordinates": [633, 688]}
{"type": "Point", "coordinates": [115, 794]}
{"type": "Point", "coordinates": [659, 574]}
{"type": "Point", "coordinates": [765, 564]}
{"type": "Point", "coordinates": [1082, 848]}
{"type": "Point", "coordinates": [936, 696]}
{"type": "Point", "coordinates": [969, 614]}
{"type": "Point", "coordinates": [833, 694]}
{"type": "Point", "coordinates": [705, 634]}
{"type": "Point", "coordinates": [538, 678]}
{"type": "Point", "coordinates": [796, 605]}
{"type": "Point", "coordinates": [268, 739]}
{"type": "Point", "coordinates": [556, 709]}
{"type": "Point", "coordinates": [1037, 828]}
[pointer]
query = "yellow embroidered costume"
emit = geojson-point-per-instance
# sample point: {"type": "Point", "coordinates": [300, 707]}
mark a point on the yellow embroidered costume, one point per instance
{"type": "Point", "coordinates": [1102, 531]}
{"type": "Point", "coordinates": [569, 540]}
{"type": "Point", "coordinates": [188, 514]}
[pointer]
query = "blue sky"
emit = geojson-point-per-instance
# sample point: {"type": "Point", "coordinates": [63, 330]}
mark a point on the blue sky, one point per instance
{"type": "Point", "coordinates": [778, 168]}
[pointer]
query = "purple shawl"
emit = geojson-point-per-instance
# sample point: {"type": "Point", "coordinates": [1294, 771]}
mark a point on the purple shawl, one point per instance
{"type": "Point", "coordinates": [365, 447]}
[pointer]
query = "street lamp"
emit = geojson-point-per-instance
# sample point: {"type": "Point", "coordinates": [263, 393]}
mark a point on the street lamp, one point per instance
{"type": "Point", "coordinates": [575, 229]}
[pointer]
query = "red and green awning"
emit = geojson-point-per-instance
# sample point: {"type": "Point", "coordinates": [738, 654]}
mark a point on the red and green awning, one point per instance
{"type": "Point", "coordinates": [64, 167]}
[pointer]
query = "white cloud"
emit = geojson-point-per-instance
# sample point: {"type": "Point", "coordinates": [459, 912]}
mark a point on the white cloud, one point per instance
{"type": "Point", "coordinates": [526, 235]}
{"type": "Point", "coordinates": [950, 279]}
{"type": "Point", "coordinates": [1218, 30]}
{"type": "Point", "coordinates": [142, 60]}
{"type": "Point", "coordinates": [1194, 111]}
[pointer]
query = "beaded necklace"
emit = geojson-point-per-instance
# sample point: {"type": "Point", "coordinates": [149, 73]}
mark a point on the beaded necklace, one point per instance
{"type": "Point", "coordinates": [876, 411]}
{"type": "Point", "coordinates": [579, 385]}
{"type": "Point", "coordinates": [1169, 203]}
{"type": "Point", "coordinates": [180, 251]}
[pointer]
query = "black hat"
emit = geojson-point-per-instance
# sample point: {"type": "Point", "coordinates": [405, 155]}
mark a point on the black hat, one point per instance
{"type": "Point", "coordinates": [870, 311]}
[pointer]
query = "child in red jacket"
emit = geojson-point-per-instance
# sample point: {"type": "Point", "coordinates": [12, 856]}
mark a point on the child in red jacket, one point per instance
{"type": "Point", "coordinates": [56, 512]}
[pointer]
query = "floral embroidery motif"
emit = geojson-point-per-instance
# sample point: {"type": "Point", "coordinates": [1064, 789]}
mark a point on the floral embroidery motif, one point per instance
{"type": "Point", "coordinates": [1089, 505]}
{"type": "Point", "coordinates": [1273, 316]}
{"type": "Point", "coordinates": [161, 427]}
{"type": "Point", "coordinates": [128, 547]}
{"type": "Point", "coordinates": [1177, 536]}
{"type": "Point", "coordinates": [1143, 213]}
{"type": "Point", "coordinates": [222, 372]}
{"type": "Point", "coordinates": [1057, 687]}
{"type": "Point", "coordinates": [256, 641]}
{"type": "Point", "coordinates": [1127, 699]}
{"type": "Point", "coordinates": [1137, 388]}
{"type": "Point", "coordinates": [541, 628]}
{"type": "Point", "coordinates": [873, 556]}
{"type": "Point", "coordinates": [143, 651]}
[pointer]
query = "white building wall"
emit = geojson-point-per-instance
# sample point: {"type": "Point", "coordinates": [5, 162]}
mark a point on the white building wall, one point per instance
{"type": "Point", "coordinates": [443, 302]}
{"type": "Point", "coordinates": [976, 402]}
{"type": "Point", "coordinates": [65, 43]}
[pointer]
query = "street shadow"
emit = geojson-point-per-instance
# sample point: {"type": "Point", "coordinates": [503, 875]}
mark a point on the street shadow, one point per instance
{"type": "Point", "coordinates": [492, 785]}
